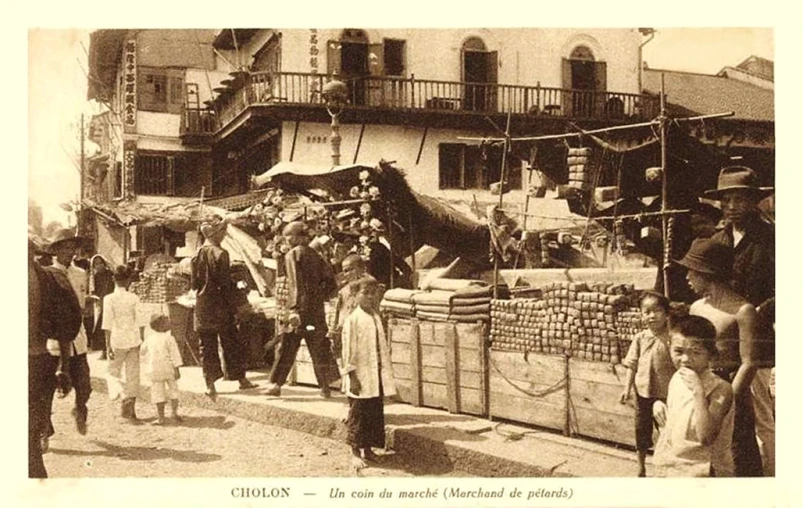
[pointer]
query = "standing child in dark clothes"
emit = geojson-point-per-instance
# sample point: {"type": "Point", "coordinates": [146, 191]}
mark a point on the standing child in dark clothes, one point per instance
{"type": "Point", "coordinates": [367, 377]}
{"type": "Point", "coordinates": [649, 369]}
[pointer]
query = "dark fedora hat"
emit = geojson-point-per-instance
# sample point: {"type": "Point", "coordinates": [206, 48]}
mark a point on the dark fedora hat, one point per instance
{"type": "Point", "coordinates": [64, 236]}
{"type": "Point", "coordinates": [736, 177]}
{"type": "Point", "coordinates": [709, 256]}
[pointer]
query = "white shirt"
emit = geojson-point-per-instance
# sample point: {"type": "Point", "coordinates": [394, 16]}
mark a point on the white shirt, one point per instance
{"type": "Point", "coordinates": [162, 355]}
{"type": "Point", "coordinates": [80, 283]}
{"type": "Point", "coordinates": [122, 319]}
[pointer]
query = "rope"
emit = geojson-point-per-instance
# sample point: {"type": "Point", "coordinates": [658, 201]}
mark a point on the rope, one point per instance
{"type": "Point", "coordinates": [540, 394]}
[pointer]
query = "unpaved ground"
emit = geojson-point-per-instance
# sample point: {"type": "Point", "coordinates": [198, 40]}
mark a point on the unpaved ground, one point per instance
{"type": "Point", "coordinates": [206, 444]}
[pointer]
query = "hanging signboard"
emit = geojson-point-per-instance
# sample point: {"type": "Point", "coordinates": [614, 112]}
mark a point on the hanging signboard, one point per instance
{"type": "Point", "coordinates": [129, 91]}
{"type": "Point", "coordinates": [129, 159]}
{"type": "Point", "coordinates": [313, 59]}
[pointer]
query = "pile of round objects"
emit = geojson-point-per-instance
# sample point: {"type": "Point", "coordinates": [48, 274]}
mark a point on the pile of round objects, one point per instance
{"type": "Point", "coordinates": [159, 284]}
{"type": "Point", "coordinates": [572, 319]}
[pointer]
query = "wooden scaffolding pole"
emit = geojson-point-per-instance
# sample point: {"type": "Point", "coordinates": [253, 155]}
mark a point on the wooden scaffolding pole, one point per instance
{"type": "Point", "coordinates": [503, 175]}
{"type": "Point", "coordinates": [667, 255]}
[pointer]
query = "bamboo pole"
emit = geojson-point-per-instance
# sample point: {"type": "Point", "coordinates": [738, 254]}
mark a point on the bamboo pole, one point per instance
{"type": "Point", "coordinates": [664, 182]}
{"type": "Point", "coordinates": [501, 200]}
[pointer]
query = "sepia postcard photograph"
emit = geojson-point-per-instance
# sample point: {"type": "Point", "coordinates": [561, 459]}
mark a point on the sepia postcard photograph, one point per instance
{"type": "Point", "coordinates": [401, 262]}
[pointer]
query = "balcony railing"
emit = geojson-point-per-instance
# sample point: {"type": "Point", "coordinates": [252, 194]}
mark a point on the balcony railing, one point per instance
{"type": "Point", "coordinates": [417, 94]}
{"type": "Point", "coordinates": [199, 121]}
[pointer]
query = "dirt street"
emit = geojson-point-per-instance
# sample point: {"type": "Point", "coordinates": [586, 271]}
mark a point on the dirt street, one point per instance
{"type": "Point", "coordinates": [206, 444]}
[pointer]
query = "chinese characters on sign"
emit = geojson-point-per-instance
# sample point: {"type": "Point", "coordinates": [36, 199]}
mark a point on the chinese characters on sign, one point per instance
{"type": "Point", "coordinates": [129, 154]}
{"type": "Point", "coordinates": [129, 91]}
{"type": "Point", "coordinates": [313, 58]}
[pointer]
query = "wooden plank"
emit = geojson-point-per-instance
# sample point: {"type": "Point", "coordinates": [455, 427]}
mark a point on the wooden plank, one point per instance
{"type": "Point", "coordinates": [540, 369]}
{"type": "Point", "coordinates": [414, 358]}
{"type": "Point", "coordinates": [530, 411]}
{"type": "Point", "coordinates": [550, 394]}
{"type": "Point", "coordinates": [452, 371]}
{"type": "Point", "coordinates": [434, 395]}
{"type": "Point", "coordinates": [469, 335]}
{"type": "Point", "coordinates": [399, 330]}
{"type": "Point", "coordinates": [599, 372]}
{"type": "Point", "coordinates": [437, 375]}
{"type": "Point", "coordinates": [607, 426]}
{"type": "Point", "coordinates": [484, 395]}
{"type": "Point", "coordinates": [599, 397]}
{"type": "Point", "coordinates": [433, 356]}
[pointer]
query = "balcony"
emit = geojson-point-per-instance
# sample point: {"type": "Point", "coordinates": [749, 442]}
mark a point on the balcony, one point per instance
{"type": "Point", "coordinates": [410, 94]}
{"type": "Point", "coordinates": [198, 126]}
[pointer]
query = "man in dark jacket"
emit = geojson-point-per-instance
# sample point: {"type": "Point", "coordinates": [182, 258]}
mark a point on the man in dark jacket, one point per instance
{"type": "Point", "coordinates": [215, 310]}
{"type": "Point", "coordinates": [752, 241]}
{"type": "Point", "coordinates": [310, 283]}
{"type": "Point", "coordinates": [53, 314]}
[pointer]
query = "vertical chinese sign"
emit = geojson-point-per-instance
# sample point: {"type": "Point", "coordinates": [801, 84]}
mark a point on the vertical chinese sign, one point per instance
{"type": "Point", "coordinates": [130, 86]}
{"type": "Point", "coordinates": [129, 161]}
{"type": "Point", "coordinates": [315, 87]}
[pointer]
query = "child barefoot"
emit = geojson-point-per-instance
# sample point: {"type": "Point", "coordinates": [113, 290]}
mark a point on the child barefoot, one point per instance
{"type": "Point", "coordinates": [163, 359]}
{"type": "Point", "coordinates": [366, 372]}
{"type": "Point", "coordinates": [649, 369]}
{"type": "Point", "coordinates": [699, 417]}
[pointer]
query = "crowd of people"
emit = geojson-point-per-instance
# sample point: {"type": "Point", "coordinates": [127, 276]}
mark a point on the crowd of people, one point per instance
{"type": "Point", "coordinates": [704, 379]}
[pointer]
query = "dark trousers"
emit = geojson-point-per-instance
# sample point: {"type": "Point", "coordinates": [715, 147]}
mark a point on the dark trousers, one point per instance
{"type": "Point", "coordinates": [78, 370]}
{"type": "Point", "coordinates": [744, 446]}
{"type": "Point", "coordinates": [41, 385]}
{"type": "Point", "coordinates": [319, 349]}
{"type": "Point", "coordinates": [234, 352]}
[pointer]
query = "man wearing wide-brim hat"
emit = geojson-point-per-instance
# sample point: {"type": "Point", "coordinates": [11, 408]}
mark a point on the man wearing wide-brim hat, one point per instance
{"type": "Point", "coordinates": [63, 245]}
{"type": "Point", "coordinates": [752, 240]}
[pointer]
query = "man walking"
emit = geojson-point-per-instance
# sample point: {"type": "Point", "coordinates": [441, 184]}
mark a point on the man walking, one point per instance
{"type": "Point", "coordinates": [310, 283]}
{"type": "Point", "coordinates": [53, 314]}
{"type": "Point", "coordinates": [63, 247]}
{"type": "Point", "coordinates": [215, 310]}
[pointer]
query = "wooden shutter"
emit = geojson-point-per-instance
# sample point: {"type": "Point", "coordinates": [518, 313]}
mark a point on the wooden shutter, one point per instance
{"type": "Point", "coordinates": [376, 59]}
{"type": "Point", "coordinates": [600, 76]}
{"type": "Point", "coordinates": [175, 94]}
{"type": "Point", "coordinates": [566, 73]}
{"type": "Point", "coordinates": [333, 57]}
{"type": "Point", "coordinates": [492, 76]}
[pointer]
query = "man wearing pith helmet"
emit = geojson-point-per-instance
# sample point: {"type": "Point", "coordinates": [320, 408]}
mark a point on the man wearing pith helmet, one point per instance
{"type": "Point", "coordinates": [752, 240]}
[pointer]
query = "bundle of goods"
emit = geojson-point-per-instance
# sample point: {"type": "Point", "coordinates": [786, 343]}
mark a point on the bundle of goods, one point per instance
{"type": "Point", "coordinates": [281, 299]}
{"type": "Point", "coordinates": [628, 324]}
{"type": "Point", "coordinates": [579, 170]}
{"type": "Point", "coordinates": [399, 302]}
{"type": "Point", "coordinates": [160, 284]}
{"type": "Point", "coordinates": [569, 319]}
{"type": "Point", "coordinates": [458, 300]}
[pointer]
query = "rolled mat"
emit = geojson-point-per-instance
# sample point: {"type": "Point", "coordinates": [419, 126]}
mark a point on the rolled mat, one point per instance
{"type": "Point", "coordinates": [434, 298]}
{"type": "Point", "coordinates": [472, 309]}
{"type": "Point", "coordinates": [396, 306]}
{"type": "Point", "coordinates": [432, 316]}
{"type": "Point", "coordinates": [438, 309]}
{"type": "Point", "coordinates": [401, 295]}
{"type": "Point", "coordinates": [474, 292]}
{"type": "Point", "coordinates": [454, 284]}
{"type": "Point", "coordinates": [457, 302]}
{"type": "Point", "coordinates": [469, 318]}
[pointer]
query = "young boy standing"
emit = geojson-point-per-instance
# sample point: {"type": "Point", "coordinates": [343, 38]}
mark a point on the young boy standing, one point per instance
{"type": "Point", "coordinates": [162, 359]}
{"type": "Point", "coordinates": [367, 377]}
{"type": "Point", "coordinates": [699, 413]}
{"type": "Point", "coordinates": [124, 335]}
{"type": "Point", "coordinates": [649, 369]}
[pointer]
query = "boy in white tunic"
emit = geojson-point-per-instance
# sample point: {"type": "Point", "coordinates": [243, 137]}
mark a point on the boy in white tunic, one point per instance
{"type": "Point", "coordinates": [367, 377]}
{"type": "Point", "coordinates": [162, 360]}
{"type": "Point", "coordinates": [699, 416]}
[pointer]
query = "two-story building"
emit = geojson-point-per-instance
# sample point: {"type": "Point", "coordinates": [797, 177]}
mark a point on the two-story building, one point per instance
{"type": "Point", "coordinates": [414, 93]}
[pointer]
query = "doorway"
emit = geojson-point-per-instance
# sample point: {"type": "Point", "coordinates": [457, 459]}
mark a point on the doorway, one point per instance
{"type": "Point", "coordinates": [479, 76]}
{"type": "Point", "coordinates": [354, 63]}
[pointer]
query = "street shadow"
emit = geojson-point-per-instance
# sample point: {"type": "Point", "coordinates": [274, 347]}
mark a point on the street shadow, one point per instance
{"type": "Point", "coordinates": [421, 466]}
{"type": "Point", "coordinates": [439, 435]}
{"type": "Point", "coordinates": [141, 453]}
{"type": "Point", "coordinates": [407, 420]}
{"type": "Point", "coordinates": [203, 422]}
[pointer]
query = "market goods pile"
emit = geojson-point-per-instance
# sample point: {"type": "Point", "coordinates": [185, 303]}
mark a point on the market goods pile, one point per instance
{"type": "Point", "coordinates": [281, 299]}
{"type": "Point", "coordinates": [463, 301]}
{"type": "Point", "coordinates": [592, 323]}
{"type": "Point", "coordinates": [160, 284]}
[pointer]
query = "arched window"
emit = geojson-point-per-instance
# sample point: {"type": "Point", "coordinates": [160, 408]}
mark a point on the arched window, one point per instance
{"type": "Point", "coordinates": [582, 53]}
{"type": "Point", "coordinates": [474, 44]}
{"type": "Point", "coordinates": [479, 72]}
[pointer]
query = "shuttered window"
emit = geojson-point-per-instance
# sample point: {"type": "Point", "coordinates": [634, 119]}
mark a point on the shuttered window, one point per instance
{"type": "Point", "coordinates": [161, 90]}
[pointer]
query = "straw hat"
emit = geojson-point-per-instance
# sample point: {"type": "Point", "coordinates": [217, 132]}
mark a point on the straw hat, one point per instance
{"type": "Point", "coordinates": [66, 236]}
{"type": "Point", "coordinates": [710, 257]}
{"type": "Point", "coordinates": [737, 177]}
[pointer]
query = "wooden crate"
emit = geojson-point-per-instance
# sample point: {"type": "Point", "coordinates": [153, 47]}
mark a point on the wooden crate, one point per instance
{"type": "Point", "coordinates": [594, 389]}
{"type": "Point", "coordinates": [440, 365]}
{"type": "Point", "coordinates": [529, 390]}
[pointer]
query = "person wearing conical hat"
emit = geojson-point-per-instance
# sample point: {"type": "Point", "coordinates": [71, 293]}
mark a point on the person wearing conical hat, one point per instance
{"type": "Point", "coordinates": [63, 246]}
{"type": "Point", "coordinates": [752, 242]}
